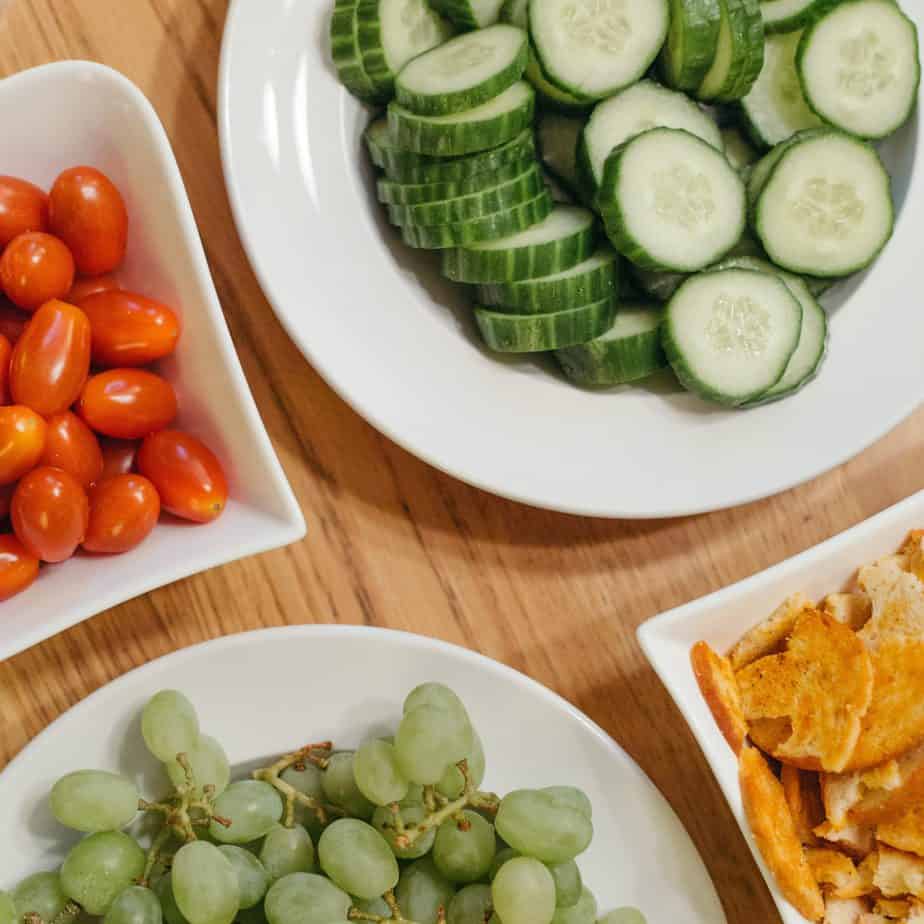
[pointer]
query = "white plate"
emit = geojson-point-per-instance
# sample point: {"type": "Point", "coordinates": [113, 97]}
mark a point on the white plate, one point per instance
{"type": "Point", "coordinates": [723, 617]}
{"type": "Point", "coordinates": [398, 342]}
{"type": "Point", "coordinates": [77, 112]}
{"type": "Point", "coordinates": [263, 693]}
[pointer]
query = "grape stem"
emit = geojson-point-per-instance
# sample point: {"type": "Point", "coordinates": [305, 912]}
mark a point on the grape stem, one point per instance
{"type": "Point", "coordinates": [70, 912]}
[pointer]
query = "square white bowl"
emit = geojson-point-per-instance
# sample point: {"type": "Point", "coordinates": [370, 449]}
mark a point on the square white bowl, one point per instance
{"type": "Point", "coordinates": [723, 617]}
{"type": "Point", "coordinates": [77, 112]}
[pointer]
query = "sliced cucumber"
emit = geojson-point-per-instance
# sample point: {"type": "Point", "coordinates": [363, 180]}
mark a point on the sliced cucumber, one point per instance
{"type": "Point", "coordinates": [516, 12]}
{"type": "Point", "coordinates": [557, 135]}
{"type": "Point", "coordinates": [630, 350]}
{"type": "Point", "coordinates": [477, 129]}
{"type": "Point", "coordinates": [562, 240]}
{"type": "Point", "coordinates": [645, 106]}
{"type": "Point", "coordinates": [536, 333]}
{"type": "Point", "coordinates": [761, 170]}
{"type": "Point", "coordinates": [691, 42]}
{"type": "Point", "coordinates": [469, 14]}
{"type": "Point", "coordinates": [465, 71]}
{"type": "Point", "coordinates": [739, 151]}
{"type": "Point", "coordinates": [792, 15]}
{"type": "Point", "coordinates": [490, 228]}
{"type": "Point", "coordinates": [739, 54]}
{"type": "Point", "coordinates": [859, 67]}
{"type": "Point", "coordinates": [825, 207]}
{"type": "Point", "coordinates": [670, 201]}
{"type": "Point", "coordinates": [553, 97]}
{"type": "Point", "coordinates": [729, 335]}
{"type": "Point", "coordinates": [346, 54]}
{"type": "Point", "coordinates": [592, 48]}
{"type": "Point", "coordinates": [660, 286]}
{"type": "Point", "coordinates": [393, 193]}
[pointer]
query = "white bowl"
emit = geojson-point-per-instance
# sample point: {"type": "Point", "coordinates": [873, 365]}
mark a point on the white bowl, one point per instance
{"type": "Point", "coordinates": [723, 617]}
{"type": "Point", "coordinates": [265, 693]}
{"type": "Point", "coordinates": [77, 112]}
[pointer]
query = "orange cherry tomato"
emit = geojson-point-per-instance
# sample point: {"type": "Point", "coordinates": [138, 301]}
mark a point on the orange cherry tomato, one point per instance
{"type": "Point", "coordinates": [12, 321]}
{"type": "Point", "coordinates": [18, 568]}
{"type": "Point", "coordinates": [129, 329]}
{"type": "Point", "coordinates": [123, 511]}
{"type": "Point", "coordinates": [90, 285]}
{"type": "Point", "coordinates": [71, 445]}
{"type": "Point", "coordinates": [50, 513]}
{"type": "Point", "coordinates": [6, 350]}
{"type": "Point", "coordinates": [23, 207]}
{"type": "Point", "coordinates": [186, 473]}
{"type": "Point", "coordinates": [127, 403]}
{"type": "Point", "coordinates": [22, 441]}
{"type": "Point", "coordinates": [88, 213]}
{"type": "Point", "coordinates": [35, 268]}
{"type": "Point", "coordinates": [52, 359]}
{"type": "Point", "coordinates": [118, 457]}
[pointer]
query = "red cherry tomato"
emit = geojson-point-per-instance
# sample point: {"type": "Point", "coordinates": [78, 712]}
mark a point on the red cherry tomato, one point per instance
{"type": "Point", "coordinates": [87, 212]}
{"type": "Point", "coordinates": [35, 268]}
{"type": "Point", "coordinates": [6, 350]}
{"type": "Point", "coordinates": [23, 207]}
{"type": "Point", "coordinates": [186, 473]}
{"type": "Point", "coordinates": [12, 321]}
{"type": "Point", "coordinates": [129, 329]}
{"type": "Point", "coordinates": [22, 440]}
{"type": "Point", "coordinates": [127, 403]}
{"type": "Point", "coordinates": [18, 568]}
{"type": "Point", "coordinates": [52, 359]}
{"type": "Point", "coordinates": [118, 457]}
{"type": "Point", "coordinates": [90, 285]}
{"type": "Point", "coordinates": [123, 511]}
{"type": "Point", "coordinates": [71, 445]}
{"type": "Point", "coordinates": [50, 513]}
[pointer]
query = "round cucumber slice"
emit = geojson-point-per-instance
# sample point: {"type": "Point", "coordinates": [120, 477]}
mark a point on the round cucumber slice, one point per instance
{"type": "Point", "coordinates": [346, 53]}
{"type": "Point", "coordinates": [469, 14]}
{"type": "Point", "coordinates": [392, 193]}
{"type": "Point", "coordinates": [792, 15]}
{"type": "Point", "coordinates": [739, 151]}
{"type": "Point", "coordinates": [557, 136]}
{"type": "Point", "coordinates": [691, 42]}
{"type": "Point", "coordinates": [739, 54]}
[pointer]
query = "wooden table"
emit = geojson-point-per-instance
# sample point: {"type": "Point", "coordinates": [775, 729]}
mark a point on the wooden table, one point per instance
{"type": "Point", "coordinates": [392, 542]}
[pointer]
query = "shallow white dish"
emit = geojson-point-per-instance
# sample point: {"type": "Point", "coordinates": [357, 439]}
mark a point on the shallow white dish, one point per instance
{"type": "Point", "coordinates": [77, 112]}
{"type": "Point", "coordinates": [398, 342]}
{"type": "Point", "coordinates": [263, 693]}
{"type": "Point", "coordinates": [723, 617]}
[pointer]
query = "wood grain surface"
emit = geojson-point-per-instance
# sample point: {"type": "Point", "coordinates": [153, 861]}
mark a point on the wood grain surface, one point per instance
{"type": "Point", "coordinates": [392, 542]}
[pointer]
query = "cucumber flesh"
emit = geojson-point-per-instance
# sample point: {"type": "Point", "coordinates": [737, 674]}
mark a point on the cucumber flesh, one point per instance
{"type": "Point", "coordinates": [553, 96]}
{"type": "Point", "coordinates": [557, 135]}
{"type": "Point", "coordinates": [792, 15]}
{"type": "Point", "coordinates": [739, 53]}
{"type": "Point", "coordinates": [469, 14]}
{"type": "Point", "coordinates": [516, 12]}
{"type": "Point", "coordinates": [691, 42]}
{"type": "Point", "coordinates": [739, 151]}
{"type": "Point", "coordinates": [346, 53]}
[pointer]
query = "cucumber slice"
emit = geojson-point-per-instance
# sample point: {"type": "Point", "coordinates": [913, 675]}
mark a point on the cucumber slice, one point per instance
{"type": "Point", "coordinates": [393, 193]}
{"type": "Point", "coordinates": [592, 48]}
{"type": "Point", "coordinates": [593, 279]}
{"type": "Point", "coordinates": [739, 54]}
{"type": "Point", "coordinates": [562, 240]}
{"type": "Point", "coordinates": [729, 334]}
{"type": "Point", "coordinates": [536, 333]}
{"type": "Point", "coordinates": [638, 109]}
{"type": "Point", "coordinates": [553, 97]}
{"type": "Point", "coordinates": [739, 151]}
{"type": "Point", "coordinates": [670, 201]}
{"type": "Point", "coordinates": [762, 168]}
{"type": "Point", "coordinates": [657, 285]}
{"type": "Point", "coordinates": [557, 135]}
{"type": "Point", "coordinates": [465, 71]}
{"type": "Point", "coordinates": [489, 228]}
{"type": "Point", "coordinates": [346, 54]}
{"type": "Point", "coordinates": [792, 15]}
{"type": "Point", "coordinates": [630, 350]}
{"type": "Point", "coordinates": [514, 192]}
{"type": "Point", "coordinates": [469, 14]}
{"type": "Point", "coordinates": [691, 42]}
{"type": "Point", "coordinates": [859, 67]}
{"type": "Point", "coordinates": [516, 12]}
{"type": "Point", "coordinates": [825, 208]}
{"type": "Point", "coordinates": [478, 129]}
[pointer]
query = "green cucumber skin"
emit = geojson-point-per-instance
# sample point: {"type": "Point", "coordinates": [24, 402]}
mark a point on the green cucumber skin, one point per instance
{"type": "Point", "coordinates": [391, 193]}
{"type": "Point", "coordinates": [754, 62]}
{"type": "Point", "coordinates": [551, 96]}
{"type": "Point", "coordinates": [346, 54]}
{"type": "Point", "coordinates": [800, 20]}
{"type": "Point", "coordinates": [459, 12]}
{"type": "Point", "coordinates": [372, 53]}
{"type": "Point", "coordinates": [569, 183]}
{"type": "Point", "coordinates": [747, 31]}
{"type": "Point", "coordinates": [660, 286]}
{"type": "Point", "coordinates": [607, 363]}
{"type": "Point", "coordinates": [541, 333]}
{"type": "Point", "coordinates": [697, 23]}
{"type": "Point", "coordinates": [586, 182]}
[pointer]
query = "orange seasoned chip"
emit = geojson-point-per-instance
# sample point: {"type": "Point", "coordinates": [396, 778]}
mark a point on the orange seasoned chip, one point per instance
{"type": "Point", "coordinates": [913, 541]}
{"type": "Point", "coordinates": [855, 840]}
{"type": "Point", "coordinates": [905, 831]}
{"type": "Point", "coordinates": [853, 610]}
{"type": "Point", "coordinates": [898, 611]}
{"type": "Point", "coordinates": [835, 872]}
{"type": "Point", "coordinates": [899, 873]}
{"type": "Point", "coordinates": [893, 909]}
{"type": "Point", "coordinates": [803, 795]}
{"type": "Point", "coordinates": [845, 910]}
{"type": "Point", "coordinates": [769, 636]}
{"type": "Point", "coordinates": [880, 575]}
{"type": "Point", "coordinates": [720, 690]}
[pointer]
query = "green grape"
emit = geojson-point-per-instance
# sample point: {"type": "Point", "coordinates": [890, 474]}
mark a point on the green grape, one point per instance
{"type": "Point", "coordinates": [134, 905]}
{"type": "Point", "coordinates": [41, 894]}
{"type": "Point", "coordinates": [471, 905]}
{"type": "Point", "coordinates": [377, 775]}
{"type": "Point", "coordinates": [452, 783]}
{"type": "Point", "coordinates": [376, 906]}
{"type": "Point", "coordinates": [433, 694]}
{"type": "Point", "coordinates": [623, 916]}
{"type": "Point", "coordinates": [584, 911]}
{"type": "Point", "coordinates": [252, 878]}
{"type": "Point", "coordinates": [568, 883]}
{"type": "Point", "coordinates": [253, 808]}
{"type": "Point", "coordinates": [94, 800]}
{"type": "Point", "coordinates": [307, 780]}
{"type": "Point", "coordinates": [209, 765]}
{"type": "Point", "coordinates": [464, 855]}
{"type": "Point", "coordinates": [99, 867]}
{"type": "Point", "coordinates": [422, 891]}
{"type": "Point", "coordinates": [163, 889]}
{"type": "Point", "coordinates": [304, 898]}
{"type": "Point", "coordinates": [287, 850]}
{"type": "Point", "coordinates": [524, 892]}
{"type": "Point", "coordinates": [339, 784]}
{"type": "Point", "coordinates": [7, 909]}
{"type": "Point", "coordinates": [411, 815]}
{"type": "Point", "coordinates": [357, 858]}
{"type": "Point", "coordinates": [539, 825]}
{"type": "Point", "coordinates": [500, 858]}
{"type": "Point", "coordinates": [255, 915]}
{"type": "Point", "coordinates": [571, 796]}
{"type": "Point", "coordinates": [169, 725]}
{"type": "Point", "coordinates": [429, 739]}
{"type": "Point", "coordinates": [205, 884]}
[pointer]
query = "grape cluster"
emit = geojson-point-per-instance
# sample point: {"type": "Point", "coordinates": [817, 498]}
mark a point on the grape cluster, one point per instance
{"type": "Point", "coordinates": [396, 831]}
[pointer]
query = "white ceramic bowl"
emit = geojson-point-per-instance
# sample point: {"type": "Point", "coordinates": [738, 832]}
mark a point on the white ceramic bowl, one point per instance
{"type": "Point", "coordinates": [265, 693]}
{"type": "Point", "coordinates": [723, 617]}
{"type": "Point", "coordinates": [77, 112]}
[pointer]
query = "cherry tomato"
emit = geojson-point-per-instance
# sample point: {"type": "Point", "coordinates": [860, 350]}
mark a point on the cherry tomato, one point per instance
{"type": "Point", "coordinates": [123, 511]}
{"type": "Point", "coordinates": [129, 329]}
{"type": "Point", "coordinates": [6, 498]}
{"type": "Point", "coordinates": [188, 477]}
{"type": "Point", "coordinates": [18, 568]}
{"type": "Point", "coordinates": [71, 445]}
{"type": "Point", "coordinates": [118, 457]}
{"type": "Point", "coordinates": [23, 207]}
{"type": "Point", "coordinates": [6, 351]}
{"type": "Point", "coordinates": [87, 212]}
{"type": "Point", "coordinates": [52, 359]}
{"type": "Point", "coordinates": [12, 321]}
{"type": "Point", "coordinates": [35, 268]}
{"type": "Point", "coordinates": [22, 441]}
{"type": "Point", "coordinates": [50, 513]}
{"type": "Point", "coordinates": [90, 285]}
{"type": "Point", "coordinates": [127, 403]}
